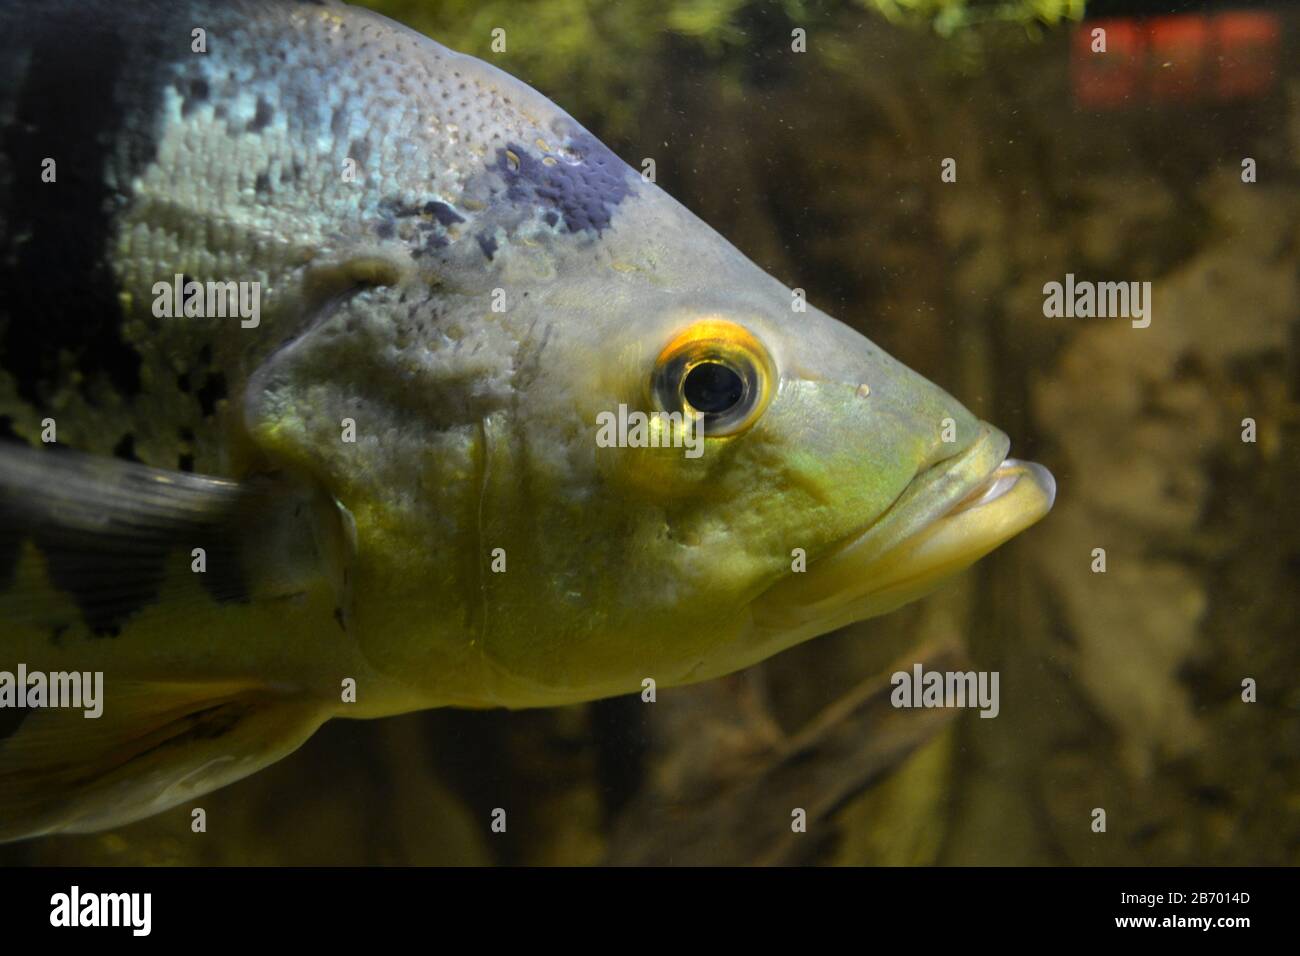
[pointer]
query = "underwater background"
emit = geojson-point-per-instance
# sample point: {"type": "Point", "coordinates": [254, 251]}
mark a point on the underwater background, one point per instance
{"type": "Point", "coordinates": [1121, 689]}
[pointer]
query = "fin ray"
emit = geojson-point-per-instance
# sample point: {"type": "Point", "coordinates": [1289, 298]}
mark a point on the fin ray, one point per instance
{"type": "Point", "coordinates": [110, 535]}
{"type": "Point", "coordinates": [154, 746]}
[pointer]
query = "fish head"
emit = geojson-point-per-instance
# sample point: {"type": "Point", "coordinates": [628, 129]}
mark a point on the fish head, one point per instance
{"type": "Point", "coordinates": [597, 445]}
{"type": "Point", "coordinates": [717, 471]}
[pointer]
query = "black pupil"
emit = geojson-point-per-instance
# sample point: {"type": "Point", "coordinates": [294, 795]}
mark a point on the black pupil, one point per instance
{"type": "Point", "coordinates": [712, 387]}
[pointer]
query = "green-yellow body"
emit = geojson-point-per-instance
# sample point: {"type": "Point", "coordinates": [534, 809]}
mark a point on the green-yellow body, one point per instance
{"type": "Point", "coordinates": [457, 282]}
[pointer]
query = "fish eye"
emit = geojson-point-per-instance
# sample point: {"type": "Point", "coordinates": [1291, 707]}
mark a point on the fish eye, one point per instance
{"type": "Point", "coordinates": [715, 371]}
{"type": "Point", "coordinates": [713, 388]}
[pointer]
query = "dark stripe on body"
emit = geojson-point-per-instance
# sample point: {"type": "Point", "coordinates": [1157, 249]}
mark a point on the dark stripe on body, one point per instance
{"type": "Point", "coordinates": [80, 83]}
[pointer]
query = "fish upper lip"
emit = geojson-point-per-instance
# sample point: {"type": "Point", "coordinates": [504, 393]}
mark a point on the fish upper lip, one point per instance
{"type": "Point", "coordinates": [799, 606]}
{"type": "Point", "coordinates": [1001, 481]}
{"type": "Point", "coordinates": [943, 488]}
{"type": "Point", "coordinates": [947, 517]}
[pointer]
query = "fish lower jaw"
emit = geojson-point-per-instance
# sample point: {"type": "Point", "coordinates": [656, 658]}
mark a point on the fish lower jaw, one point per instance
{"type": "Point", "coordinates": [853, 583]}
{"type": "Point", "coordinates": [1016, 495]}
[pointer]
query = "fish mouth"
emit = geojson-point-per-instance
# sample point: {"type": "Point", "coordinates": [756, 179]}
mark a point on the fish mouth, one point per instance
{"type": "Point", "coordinates": [948, 517]}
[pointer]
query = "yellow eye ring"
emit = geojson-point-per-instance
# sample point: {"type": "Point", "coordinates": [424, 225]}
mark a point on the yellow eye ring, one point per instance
{"type": "Point", "coordinates": [715, 371]}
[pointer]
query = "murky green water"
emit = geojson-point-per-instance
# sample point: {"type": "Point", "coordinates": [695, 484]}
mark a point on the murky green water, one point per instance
{"type": "Point", "coordinates": [1121, 690]}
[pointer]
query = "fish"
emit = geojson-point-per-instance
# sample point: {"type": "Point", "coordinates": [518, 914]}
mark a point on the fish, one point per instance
{"type": "Point", "coordinates": [345, 375]}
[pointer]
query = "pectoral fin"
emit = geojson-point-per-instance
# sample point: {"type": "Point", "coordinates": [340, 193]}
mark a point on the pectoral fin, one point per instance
{"type": "Point", "coordinates": [86, 539]}
{"type": "Point", "coordinates": [85, 544]}
{"type": "Point", "coordinates": [153, 747]}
